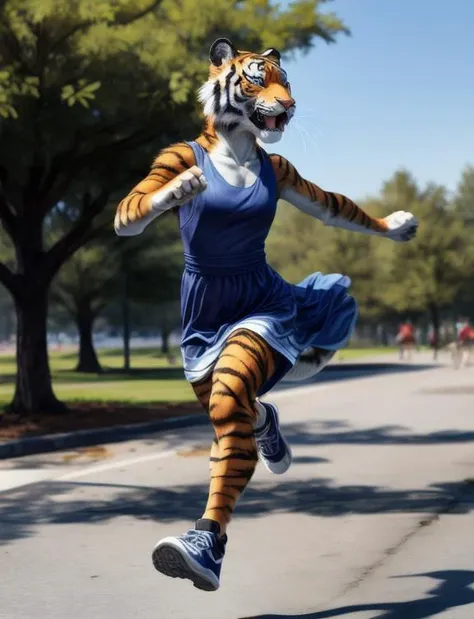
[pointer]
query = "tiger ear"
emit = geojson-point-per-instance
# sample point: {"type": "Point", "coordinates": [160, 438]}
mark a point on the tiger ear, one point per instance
{"type": "Point", "coordinates": [273, 54]}
{"type": "Point", "coordinates": [222, 50]}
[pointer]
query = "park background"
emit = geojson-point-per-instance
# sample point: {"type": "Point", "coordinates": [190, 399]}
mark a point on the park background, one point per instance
{"type": "Point", "coordinates": [89, 92]}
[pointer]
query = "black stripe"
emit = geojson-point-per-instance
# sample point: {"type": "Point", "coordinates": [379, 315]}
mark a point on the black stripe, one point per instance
{"type": "Point", "coordinates": [225, 508]}
{"type": "Point", "coordinates": [237, 417]}
{"type": "Point", "coordinates": [236, 434]}
{"type": "Point", "coordinates": [247, 451]}
{"type": "Point", "coordinates": [229, 393]}
{"type": "Point", "coordinates": [139, 209]}
{"type": "Point", "coordinates": [229, 496]}
{"type": "Point", "coordinates": [368, 221]}
{"type": "Point", "coordinates": [312, 191]}
{"type": "Point", "coordinates": [245, 472]}
{"type": "Point", "coordinates": [259, 342]}
{"type": "Point", "coordinates": [354, 211]}
{"type": "Point", "coordinates": [254, 338]}
{"type": "Point", "coordinates": [179, 157]}
{"type": "Point", "coordinates": [217, 97]}
{"type": "Point", "coordinates": [232, 126]}
{"type": "Point", "coordinates": [239, 456]}
{"type": "Point", "coordinates": [249, 369]}
{"type": "Point", "coordinates": [247, 475]}
{"type": "Point", "coordinates": [255, 356]}
{"type": "Point", "coordinates": [166, 179]}
{"type": "Point", "coordinates": [237, 374]}
{"type": "Point", "coordinates": [162, 166]}
{"type": "Point", "coordinates": [238, 488]}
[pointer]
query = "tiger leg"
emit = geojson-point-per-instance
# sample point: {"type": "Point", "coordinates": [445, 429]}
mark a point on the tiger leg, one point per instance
{"type": "Point", "coordinates": [244, 365]}
{"type": "Point", "coordinates": [202, 390]}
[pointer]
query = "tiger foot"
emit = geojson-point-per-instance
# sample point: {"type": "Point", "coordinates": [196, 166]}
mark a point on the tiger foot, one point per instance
{"type": "Point", "coordinates": [197, 555]}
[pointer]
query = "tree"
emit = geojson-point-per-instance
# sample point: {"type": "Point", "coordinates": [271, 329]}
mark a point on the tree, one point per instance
{"type": "Point", "coordinates": [140, 270]}
{"type": "Point", "coordinates": [463, 207]}
{"type": "Point", "coordinates": [427, 273]}
{"type": "Point", "coordinates": [91, 82]}
{"type": "Point", "coordinates": [464, 200]}
{"type": "Point", "coordinates": [84, 287]}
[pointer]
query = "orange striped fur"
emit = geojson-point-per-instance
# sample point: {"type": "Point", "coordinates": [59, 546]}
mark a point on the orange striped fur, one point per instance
{"type": "Point", "coordinates": [229, 395]}
{"type": "Point", "coordinates": [337, 205]}
{"type": "Point", "coordinates": [170, 162]}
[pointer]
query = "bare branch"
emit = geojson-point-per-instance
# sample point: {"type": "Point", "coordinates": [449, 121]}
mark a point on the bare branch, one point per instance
{"type": "Point", "coordinates": [78, 235]}
{"type": "Point", "coordinates": [66, 166]}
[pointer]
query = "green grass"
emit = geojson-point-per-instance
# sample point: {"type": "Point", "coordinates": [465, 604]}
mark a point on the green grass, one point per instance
{"type": "Point", "coordinates": [152, 379]}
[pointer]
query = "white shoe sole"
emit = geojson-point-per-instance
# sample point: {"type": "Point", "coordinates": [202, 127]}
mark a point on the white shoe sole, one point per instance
{"type": "Point", "coordinates": [170, 558]}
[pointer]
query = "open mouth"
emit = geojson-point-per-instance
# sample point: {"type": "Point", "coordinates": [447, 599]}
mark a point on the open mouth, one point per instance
{"type": "Point", "coordinates": [269, 123]}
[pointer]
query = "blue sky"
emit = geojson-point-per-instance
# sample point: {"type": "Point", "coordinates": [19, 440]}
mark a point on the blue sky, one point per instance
{"type": "Point", "coordinates": [397, 93]}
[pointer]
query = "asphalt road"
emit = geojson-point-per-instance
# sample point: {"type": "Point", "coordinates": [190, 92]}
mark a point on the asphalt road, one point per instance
{"type": "Point", "coordinates": [374, 519]}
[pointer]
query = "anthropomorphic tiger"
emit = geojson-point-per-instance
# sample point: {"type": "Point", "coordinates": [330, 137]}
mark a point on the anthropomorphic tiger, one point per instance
{"type": "Point", "coordinates": [243, 327]}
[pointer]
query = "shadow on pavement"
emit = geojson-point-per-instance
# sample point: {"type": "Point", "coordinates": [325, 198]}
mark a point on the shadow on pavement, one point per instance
{"type": "Point", "coordinates": [23, 509]}
{"type": "Point", "coordinates": [454, 590]}
{"type": "Point", "coordinates": [345, 371]}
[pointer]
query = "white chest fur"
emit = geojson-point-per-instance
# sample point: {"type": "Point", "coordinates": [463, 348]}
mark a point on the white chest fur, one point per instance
{"type": "Point", "coordinates": [238, 175]}
{"type": "Point", "coordinates": [235, 158]}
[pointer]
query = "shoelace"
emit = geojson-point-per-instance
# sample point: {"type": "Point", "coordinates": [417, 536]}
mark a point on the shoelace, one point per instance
{"type": "Point", "coordinates": [268, 440]}
{"type": "Point", "coordinates": [201, 540]}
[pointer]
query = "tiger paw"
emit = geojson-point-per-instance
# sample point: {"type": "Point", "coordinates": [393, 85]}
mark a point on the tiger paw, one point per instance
{"type": "Point", "coordinates": [401, 226]}
{"type": "Point", "coordinates": [180, 190]}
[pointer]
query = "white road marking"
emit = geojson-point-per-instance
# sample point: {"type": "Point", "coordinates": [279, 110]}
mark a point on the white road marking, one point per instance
{"type": "Point", "coordinates": [91, 470]}
{"type": "Point", "coordinates": [14, 479]}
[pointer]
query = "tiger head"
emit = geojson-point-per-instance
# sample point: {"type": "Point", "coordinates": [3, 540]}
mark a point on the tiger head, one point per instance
{"type": "Point", "coordinates": [247, 92]}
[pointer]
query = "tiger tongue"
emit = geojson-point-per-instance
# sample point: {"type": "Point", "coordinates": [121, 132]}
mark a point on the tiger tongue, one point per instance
{"type": "Point", "coordinates": [270, 122]}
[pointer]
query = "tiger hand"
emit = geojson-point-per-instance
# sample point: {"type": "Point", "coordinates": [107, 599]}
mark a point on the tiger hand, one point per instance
{"type": "Point", "coordinates": [401, 226]}
{"type": "Point", "coordinates": [180, 190]}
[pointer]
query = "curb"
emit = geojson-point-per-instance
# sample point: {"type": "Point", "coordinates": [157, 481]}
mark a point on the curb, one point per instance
{"type": "Point", "coordinates": [117, 434]}
{"type": "Point", "coordinates": [83, 438]}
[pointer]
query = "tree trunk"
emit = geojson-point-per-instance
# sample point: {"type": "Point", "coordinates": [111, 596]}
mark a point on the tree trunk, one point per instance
{"type": "Point", "coordinates": [88, 361]}
{"type": "Point", "coordinates": [165, 341]}
{"type": "Point", "coordinates": [33, 390]}
{"type": "Point", "coordinates": [125, 322]}
{"type": "Point", "coordinates": [434, 313]}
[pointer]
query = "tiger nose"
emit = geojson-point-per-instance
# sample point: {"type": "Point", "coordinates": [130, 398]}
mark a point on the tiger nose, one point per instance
{"type": "Point", "coordinates": [287, 103]}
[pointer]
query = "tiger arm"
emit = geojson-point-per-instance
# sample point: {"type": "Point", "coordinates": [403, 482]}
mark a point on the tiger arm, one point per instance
{"type": "Point", "coordinates": [158, 192]}
{"type": "Point", "coordinates": [333, 209]}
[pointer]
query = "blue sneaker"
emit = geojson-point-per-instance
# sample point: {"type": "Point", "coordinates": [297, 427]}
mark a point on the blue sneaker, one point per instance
{"type": "Point", "coordinates": [196, 555]}
{"type": "Point", "coordinates": [273, 450]}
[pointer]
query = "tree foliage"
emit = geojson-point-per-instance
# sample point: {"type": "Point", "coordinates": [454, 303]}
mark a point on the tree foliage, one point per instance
{"type": "Point", "coordinates": [88, 91]}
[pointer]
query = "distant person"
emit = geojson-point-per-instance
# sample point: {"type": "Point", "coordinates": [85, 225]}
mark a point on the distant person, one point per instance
{"type": "Point", "coordinates": [465, 341]}
{"type": "Point", "coordinates": [406, 339]}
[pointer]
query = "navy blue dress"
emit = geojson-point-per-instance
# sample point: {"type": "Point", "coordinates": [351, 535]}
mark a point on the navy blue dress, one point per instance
{"type": "Point", "coordinates": [228, 285]}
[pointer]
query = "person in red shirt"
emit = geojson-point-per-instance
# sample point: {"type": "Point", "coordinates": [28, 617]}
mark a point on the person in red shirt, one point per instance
{"type": "Point", "coordinates": [464, 344]}
{"type": "Point", "coordinates": [406, 338]}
